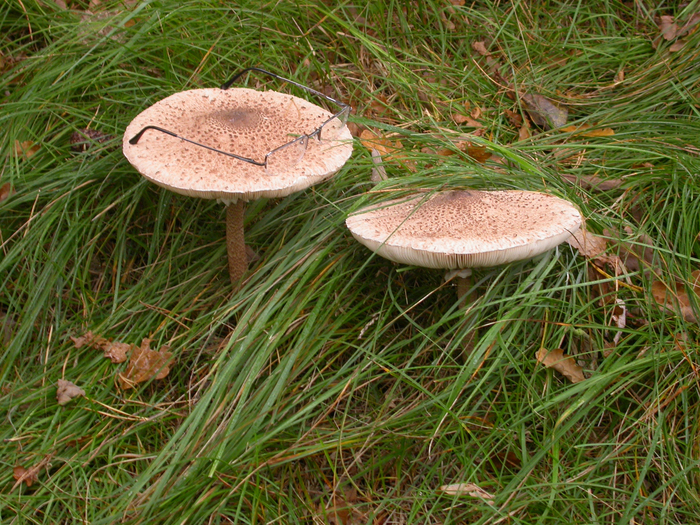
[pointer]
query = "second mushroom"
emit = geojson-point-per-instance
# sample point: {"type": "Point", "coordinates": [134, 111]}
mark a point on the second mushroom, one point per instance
{"type": "Point", "coordinates": [460, 230]}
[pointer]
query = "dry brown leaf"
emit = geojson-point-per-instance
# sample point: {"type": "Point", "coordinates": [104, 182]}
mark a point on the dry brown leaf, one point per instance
{"type": "Point", "coordinates": [5, 191]}
{"type": "Point", "coordinates": [588, 244]}
{"type": "Point", "coordinates": [478, 153]}
{"type": "Point", "coordinates": [544, 112]}
{"type": "Point", "coordinates": [25, 148]}
{"type": "Point", "coordinates": [668, 27]}
{"type": "Point", "coordinates": [113, 350]}
{"type": "Point", "coordinates": [581, 130]}
{"type": "Point", "coordinates": [480, 48]}
{"type": "Point", "coordinates": [386, 147]}
{"type": "Point", "coordinates": [524, 132]}
{"type": "Point", "coordinates": [467, 489]}
{"type": "Point", "coordinates": [515, 119]}
{"type": "Point", "coordinates": [677, 45]}
{"type": "Point", "coordinates": [677, 300]}
{"type": "Point", "coordinates": [67, 391]}
{"type": "Point", "coordinates": [593, 247]}
{"type": "Point", "coordinates": [562, 363]}
{"type": "Point", "coordinates": [23, 475]}
{"type": "Point", "coordinates": [30, 475]}
{"type": "Point", "coordinates": [669, 30]}
{"type": "Point", "coordinates": [145, 364]}
{"type": "Point", "coordinates": [89, 339]}
{"type": "Point", "coordinates": [116, 352]}
{"type": "Point", "coordinates": [468, 120]}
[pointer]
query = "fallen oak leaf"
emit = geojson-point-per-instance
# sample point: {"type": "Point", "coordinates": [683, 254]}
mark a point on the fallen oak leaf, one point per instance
{"type": "Point", "coordinates": [581, 130]}
{"type": "Point", "coordinates": [692, 22]}
{"type": "Point", "coordinates": [145, 364]}
{"type": "Point", "coordinates": [66, 391]}
{"type": "Point", "coordinates": [588, 244]}
{"type": "Point", "coordinates": [89, 339]}
{"type": "Point", "coordinates": [677, 299]}
{"type": "Point", "coordinates": [524, 132]}
{"type": "Point", "coordinates": [480, 48]}
{"type": "Point", "coordinates": [23, 475]}
{"type": "Point", "coordinates": [639, 255]}
{"type": "Point", "coordinates": [515, 119]}
{"type": "Point", "coordinates": [115, 351]}
{"type": "Point", "coordinates": [388, 149]}
{"type": "Point", "coordinates": [544, 112]}
{"type": "Point", "coordinates": [31, 475]}
{"type": "Point", "coordinates": [5, 191]}
{"type": "Point", "coordinates": [593, 247]}
{"type": "Point", "coordinates": [562, 363]}
{"type": "Point", "coordinates": [467, 489]}
{"type": "Point", "coordinates": [466, 120]}
{"type": "Point", "coordinates": [668, 27]}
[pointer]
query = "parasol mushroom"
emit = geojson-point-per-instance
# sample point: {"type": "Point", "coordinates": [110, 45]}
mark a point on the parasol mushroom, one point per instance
{"type": "Point", "coordinates": [460, 230]}
{"type": "Point", "coordinates": [237, 145]}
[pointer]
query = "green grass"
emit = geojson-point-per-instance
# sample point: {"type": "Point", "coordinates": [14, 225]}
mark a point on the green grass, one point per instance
{"type": "Point", "coordinates": [334, 381]}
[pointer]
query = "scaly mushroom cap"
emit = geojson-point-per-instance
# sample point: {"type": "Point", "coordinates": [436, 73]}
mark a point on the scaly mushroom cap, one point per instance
{"type": "Point", "coordinates": [242, 121]}
{"type": "Point", "coordinates": [465, 229]}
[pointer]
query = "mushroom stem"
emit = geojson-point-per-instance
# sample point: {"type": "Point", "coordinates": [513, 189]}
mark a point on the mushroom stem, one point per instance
{"type": "Point", "coordinates": [464, 283]}
{"type": "Point", "coordinates": [463, 286]}
{"type": "Point", "coordinates": [235, 241]}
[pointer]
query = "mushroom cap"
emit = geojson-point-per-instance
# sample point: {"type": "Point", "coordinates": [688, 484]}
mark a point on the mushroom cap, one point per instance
{"type": "Point", "coordinates": [465, 229]}
{"type": "Point", "coordinates": [242, 121]}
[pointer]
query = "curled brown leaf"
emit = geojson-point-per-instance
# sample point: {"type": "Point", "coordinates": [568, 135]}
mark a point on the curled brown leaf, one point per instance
{"type": "Point", "coordinates": [145, 364]}
{"type": "Point", "coordinates": [66, 391]}
{"type": "Point", "coordinates": [675, 297]}
{"type": "Point", "coordinates": [467, 489]}
{"type": "Point", "coordinates": [562, 363]}
{"type": "Point", "coordinates": [544, 112]}
{"type": "Point", "coordinates": [23, 475]}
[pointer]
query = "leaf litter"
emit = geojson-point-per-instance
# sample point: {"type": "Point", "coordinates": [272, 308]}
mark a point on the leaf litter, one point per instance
{"type": "Point", "coordinates": [467, 489]}
{"type": "Point", "coordinates": [30, 475]}
{"type": "Point", "coordinates": [675, 298]}
{"type": "Point", "coordinates": [562, 363]}
{"type": "Point", "coordinates": [544, 112]}
{"type": "Point", "coordinates": [67, 391]}
{"type": "Point", "coordinates": [144, 363]}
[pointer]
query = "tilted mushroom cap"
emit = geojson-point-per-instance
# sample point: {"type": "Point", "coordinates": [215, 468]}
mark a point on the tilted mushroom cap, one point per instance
{"type": "Point", "coordinates": [465, 229]}
{"type": "Point", "coordinates": [242, 121]}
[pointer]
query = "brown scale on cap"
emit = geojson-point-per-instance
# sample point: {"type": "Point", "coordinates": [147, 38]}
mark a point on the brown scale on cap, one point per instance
{"type": "Point", "coordinates": [465, 229]}
{"type": "Point", "coordinates": [241, 121]}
